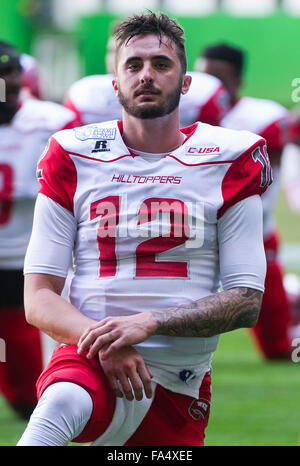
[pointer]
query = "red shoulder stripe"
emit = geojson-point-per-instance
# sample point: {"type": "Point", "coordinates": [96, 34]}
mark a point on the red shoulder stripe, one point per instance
{"type": "Point", "coordinates": [58, 176]}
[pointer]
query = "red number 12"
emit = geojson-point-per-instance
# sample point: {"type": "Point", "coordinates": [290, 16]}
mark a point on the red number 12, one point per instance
{"type": "Point", "coordinates": [108, 209]}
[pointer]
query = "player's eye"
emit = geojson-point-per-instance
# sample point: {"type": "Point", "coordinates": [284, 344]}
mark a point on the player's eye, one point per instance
{"type": "Point", "coordinates": [162, 65]}
{"type": "Point", "coordinates": [133, 66]}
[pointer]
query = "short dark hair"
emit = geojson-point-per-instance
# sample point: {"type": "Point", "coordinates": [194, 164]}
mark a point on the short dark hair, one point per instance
{"type": "Point", "coordinates": [152, 23]}
{"type": "Point", "coordinates": [228, 53]}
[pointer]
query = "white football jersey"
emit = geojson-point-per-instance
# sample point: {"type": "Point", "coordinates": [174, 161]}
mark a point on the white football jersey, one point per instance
{"type": "Point", "coordinates": [146, 235]}
{"type": "Point", "coordinates": [270, 120]}
{"type": "Point", "coordinates": [22, 142]}
{"type": "Point", "coordinates": [206, 100]}
{"type": "Point", "coordinates": [93, 99]}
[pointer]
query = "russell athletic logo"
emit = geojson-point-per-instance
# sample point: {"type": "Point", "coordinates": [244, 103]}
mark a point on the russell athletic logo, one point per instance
{"type": "Point", "coordinates": [203, 150]}
{"type": "Point", "coordinates": [101, 146]}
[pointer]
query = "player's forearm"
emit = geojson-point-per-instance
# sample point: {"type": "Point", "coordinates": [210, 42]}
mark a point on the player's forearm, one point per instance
{"type": "Point", "coordinates": [212, 315]}
{"type": "Point", "coordinates": [47, 310]}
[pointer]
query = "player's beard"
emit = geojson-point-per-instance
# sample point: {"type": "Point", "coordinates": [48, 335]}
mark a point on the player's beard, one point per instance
{"type": "Point", "coordinates": [169, 104]}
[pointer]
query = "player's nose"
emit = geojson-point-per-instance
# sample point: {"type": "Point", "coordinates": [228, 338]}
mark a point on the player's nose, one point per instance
{"type": "Point", "coordinates": [146, 75]}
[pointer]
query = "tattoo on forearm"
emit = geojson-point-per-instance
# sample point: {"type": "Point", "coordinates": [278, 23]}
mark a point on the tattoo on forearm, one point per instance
{"type": "Point", "coordinates": [218, 313]}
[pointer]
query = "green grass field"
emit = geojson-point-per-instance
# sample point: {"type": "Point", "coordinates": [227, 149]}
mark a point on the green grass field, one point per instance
{"type": "Point", "coordinates": [255, 403]}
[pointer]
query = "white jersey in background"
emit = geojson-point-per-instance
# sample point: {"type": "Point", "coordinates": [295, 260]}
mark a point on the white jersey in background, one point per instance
{"type": "Point", "coordinates": [206, 101]}
{"type": "Point", "coordinates": [22, 142]}
{"type": "Point", "coordinates": [290, 176]}
{"type": "Point", "coordinates": [152, 232]}
{"type": "Point", "coordinates": [93, 99]}
{"type": "Point", "coordinates": [31, 80]}
{"type": "Point", "coordinates": [270, 120]}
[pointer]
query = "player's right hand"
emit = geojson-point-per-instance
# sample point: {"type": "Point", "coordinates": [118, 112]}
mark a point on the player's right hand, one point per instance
{"type": "Point", "coordinates": [127, 372]}
{"type": "Point", "coordinates": [114, 333]}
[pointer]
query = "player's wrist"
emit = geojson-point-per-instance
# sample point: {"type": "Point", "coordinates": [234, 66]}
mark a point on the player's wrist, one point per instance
{"type": "Point", "coordinates": [152, 324]}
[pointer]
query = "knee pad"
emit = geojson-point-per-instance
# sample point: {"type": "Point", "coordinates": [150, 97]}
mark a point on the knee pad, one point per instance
{"type": "Point", "coordinates": [61, 415]}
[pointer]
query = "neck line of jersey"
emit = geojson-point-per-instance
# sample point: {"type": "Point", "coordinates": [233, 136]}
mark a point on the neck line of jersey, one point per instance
{"type": "Point", "coordinates": [155, 155]}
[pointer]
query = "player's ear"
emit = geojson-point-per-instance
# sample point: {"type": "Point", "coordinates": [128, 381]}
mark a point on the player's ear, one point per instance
{"type": "Point", "coordinates": [115, 86]}
{"type": "Point", "coordinates": [186, 84]}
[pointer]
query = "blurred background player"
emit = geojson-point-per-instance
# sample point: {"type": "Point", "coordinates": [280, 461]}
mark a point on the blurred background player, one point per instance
{"type": "Point", "coordinates": [25, 126]}
{"type": "Point", "coordinates": [291, 164]}
{"type": "Point", "coordinates": [93, 100]}
{"type": "Point", "coordinates": [270, 120]}
{"type": "Point", "coordinates": [31, 81]}
{"type": "Point", "coordinates": [290, 181]}
{"type": "Point", "coordinates": [207, 100]}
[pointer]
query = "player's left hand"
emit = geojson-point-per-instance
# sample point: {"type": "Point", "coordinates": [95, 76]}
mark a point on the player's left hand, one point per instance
{"type": "Point", "coordinates": [114, 333]}
{"type": "Point", "coordinates": [127, 368]}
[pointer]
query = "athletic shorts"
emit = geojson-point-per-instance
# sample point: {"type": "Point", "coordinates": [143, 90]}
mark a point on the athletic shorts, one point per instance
{"type": "Point", "coordinates": [171, 419]}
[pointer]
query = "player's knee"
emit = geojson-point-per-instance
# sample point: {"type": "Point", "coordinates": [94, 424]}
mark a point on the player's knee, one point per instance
{"type": "Point", "coordinates": [61, 414]}
{"type": "Point", "coordinates": [58, 401]}
{"type": "Point", "coordinates": [66, 404]}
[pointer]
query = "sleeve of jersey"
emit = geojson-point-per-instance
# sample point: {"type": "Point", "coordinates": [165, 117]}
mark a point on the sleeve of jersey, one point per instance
{"type": "Point", "coordinates": [240, 231]}
{"type": "Point", "coordinates": [216, 107]}
{"type": "Point", "coordinates": [249, 174]}
{"type": "Point", "coordinates": [57, 175]}
{"type": "Point", "coordinates": [52, 239]}
{"type": "Point", "coordinates": [73, 123]}
{"type": "Point", "coordinates": [69, 104]}
{"type": "Point", "coordinates": [278, 134]}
